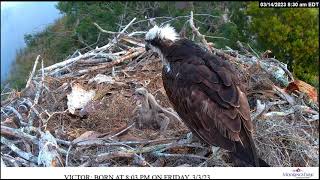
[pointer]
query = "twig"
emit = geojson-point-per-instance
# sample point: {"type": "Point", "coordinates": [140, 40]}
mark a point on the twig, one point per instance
{"type": "Point", "coordinates": [18, 160]}
{"type": "Point", "coordinates": [282, 65]}
{"type": "Point", "coordinates": [217, 37]}
{"type": "Point", "coordinates": [14, 148]}
{"type": "Point", "coordinates": [196, 31]}
{"type": "Point", "coordinates": [264, 107]}
{"type": "Point", "coordinates": [67, 156]}
{"type": "Point", "coordinates": [105, 31]}
{"type": "Point", "coordinates": [127, 26]}
{"type": "Point", "coordinates": [21, 120]}
{"type": "Point", "coordinates": [133, 42]}
{"type": "Point", "coordinates": [69, 61]}
{"type": "Point", "coordinates": [2, 163]}
{"type": "Point", "coordinates": [39, 89]}
{"type": "Point", "coordinates": [296, 108]}
{"type": "Point", "coordinates": [124, 130]}
{"type": "Point", "coordinates": [137, 33]}
{"type": "Point", "coordinates": [45, 121]}
{"type": "Point", "coordinates": [18, 133]}
{"type": "Point", "coordinates": [313, 118]}
{"type": "Point", "coordinates": [113, 63]}
{"type": "Point", "coordinates": [242, 48]}
{"type": "Point", "coordinates": [284, 95]}
{"type": "Point", "coordinates": [114, 40]}
{"type": "Point", "coordinates": [11, 160]}
{"type": "Point", "coordinates": [160, 154]}
{"type": "Point", "coordinates": [106, 156]}
{"type": "Point", "coordinates": [257, 55]}
{"type": "Point", "coordinates": [105, 142]}
{"type": "Point", "coordinates": [33, 71]}
{"type": "Point", "coordinates": [48, 151]}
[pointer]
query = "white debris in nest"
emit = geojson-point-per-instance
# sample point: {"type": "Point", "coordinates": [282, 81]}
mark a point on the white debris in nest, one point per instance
{"type": "Point", "coordinates": [78, 98]}
{"type": "Point", "coordinates": [101, 78]}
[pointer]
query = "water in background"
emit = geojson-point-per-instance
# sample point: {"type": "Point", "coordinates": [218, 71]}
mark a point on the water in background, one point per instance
{"type": "Point", "coordinates": [18, 19]}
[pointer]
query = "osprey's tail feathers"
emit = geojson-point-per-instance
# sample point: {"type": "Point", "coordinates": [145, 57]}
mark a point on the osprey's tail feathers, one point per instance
{"type": "Point", "coordinates": [245, 159]}
{"type": "Point", "coordinates": [247, 150]}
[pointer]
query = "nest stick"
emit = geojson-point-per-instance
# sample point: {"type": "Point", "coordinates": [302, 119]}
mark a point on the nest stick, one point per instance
{"type": "Point", "coordinates": [14, 148]}
{"type": "Point", "coordinates": [20, 121]}
{"type": "Point", "coordinates": [113, 63]}
{"type": "Point", "coordinates": [33, 71]}
{"type": "Point", "coordinates": [197, 33]}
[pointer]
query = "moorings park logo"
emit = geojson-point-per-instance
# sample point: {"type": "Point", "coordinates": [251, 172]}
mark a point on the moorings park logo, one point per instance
{"type": "Point", "coordinates": [298, 173]}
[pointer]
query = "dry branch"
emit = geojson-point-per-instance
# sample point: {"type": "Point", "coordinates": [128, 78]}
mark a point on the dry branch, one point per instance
{"type": "Point", "coordinates": [104, 31]}
{"type": "Point", "coordinates": [33, 71]}
{"type": "Point", "coordinates": [39, 86]}
{"type": "Point", "coordinates": [20, 121]}
{"type": "Point", "coordinates": [18, 151]}
{"type": "Point", "coordinates": [48, 151]}
{"type": "Point", "coordinates": [67, 62]}
{"type": "Point", "coordinates": [22, 135]}
{"type": "Point", "coordinates": [103, 48]}
{"type": "Point", "coordinates": [3, 164]}
{"type": "Point", "coordinates": [196, 31]}
{"type": "Point", "coordinates": [113, 63]}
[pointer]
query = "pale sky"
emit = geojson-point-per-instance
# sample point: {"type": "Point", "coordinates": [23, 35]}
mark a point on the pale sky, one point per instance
{"type": "Point", "coordinates": [8, 4]}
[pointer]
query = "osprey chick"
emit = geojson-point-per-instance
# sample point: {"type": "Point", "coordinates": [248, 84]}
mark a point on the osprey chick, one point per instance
{"type": "Point", "coordinates": [151, 114]}
{"type": "Point", "coordinates": [205, 91]}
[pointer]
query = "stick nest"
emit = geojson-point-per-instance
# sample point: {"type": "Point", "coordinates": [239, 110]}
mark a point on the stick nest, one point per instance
{"type": "Point", "coordinates": [37, 129]}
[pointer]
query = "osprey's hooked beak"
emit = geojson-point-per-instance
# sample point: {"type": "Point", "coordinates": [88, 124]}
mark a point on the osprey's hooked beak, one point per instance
{"type": "Point", "coordinates": [147, 47]}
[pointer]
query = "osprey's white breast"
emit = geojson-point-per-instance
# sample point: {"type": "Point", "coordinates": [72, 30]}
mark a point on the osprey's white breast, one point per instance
{"type": "Point", "coordinates": [167, 67]}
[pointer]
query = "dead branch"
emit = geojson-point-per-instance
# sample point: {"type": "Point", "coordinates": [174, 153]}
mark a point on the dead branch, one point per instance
{"type": "Point", "coordinates": [107, 156]}
{"type": "Point", "coordinates": [18, 151]}
{"type": "Point", "coordinates": [39, 87]}
{"type": "Point", "coordinates": [2, 163]}
{"type": "Point", "coordinates": [20, 121]}
{"type": "Point", "coordinates": [133, 42]}
{"type": "Point", "coordinates": [197, 33]}
{"type": "Point", "coordinates": [33, 71]}
{"type": "Point", "coordinates": [284, 95]}
{"type": "Point", "coordinates": [114, 40]}
{"type": "Point", "coordinates": [32, 112]}
{"type": "Point", "coordinates": [18, 161]}
{"type": "Point", "coordinates": [48, 154]}
{"type": "Point", "coordinates": [283, 66]}
{"type": "Point", "coordinates": [122, 131]}
{"type": "Point", "coordinates": [113, 63]}
{"type": "Point", "coordinates": [68, 61]}
{"type": "Point", "coordinates": [104, 31]}
{"type": "Point", "coordinates": [255, 53]}
{"type": "Point", "coordinates": [18, 133]}
{"type": "Point", "coordinates": [22, 135]}
{"type": "Point", "coordinates": [160, 154]}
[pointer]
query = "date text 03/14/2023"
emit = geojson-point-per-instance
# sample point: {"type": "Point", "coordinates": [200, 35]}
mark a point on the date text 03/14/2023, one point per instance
{"type": "Point", "coordinates": [288, 4]}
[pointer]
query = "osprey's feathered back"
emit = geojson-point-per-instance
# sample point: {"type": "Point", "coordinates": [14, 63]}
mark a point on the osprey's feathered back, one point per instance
{"type": "Point", "coordinates": [205, 91]}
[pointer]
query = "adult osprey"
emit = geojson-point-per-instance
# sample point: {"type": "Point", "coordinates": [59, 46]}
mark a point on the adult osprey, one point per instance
{"type": "Point", "coordinates": [205, 92]}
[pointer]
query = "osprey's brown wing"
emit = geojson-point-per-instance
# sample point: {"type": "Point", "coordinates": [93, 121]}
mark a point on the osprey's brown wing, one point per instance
{"type": "Point", "coordinates": [205, 92]}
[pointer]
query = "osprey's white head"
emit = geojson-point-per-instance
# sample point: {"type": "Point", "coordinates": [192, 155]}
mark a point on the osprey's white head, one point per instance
{"type": "Point", "coordinates": [158, 38]}
{"type": "Point", "coordinates": [166, 32]}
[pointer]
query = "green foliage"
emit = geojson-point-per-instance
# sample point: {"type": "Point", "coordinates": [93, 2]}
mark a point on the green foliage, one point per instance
{"type": "Point", "coordinates": [289, 32]}
{"type": "Point", "coordinates": [109, 15]}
